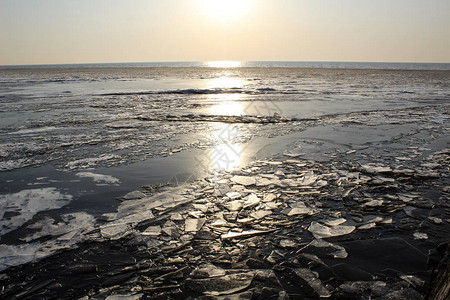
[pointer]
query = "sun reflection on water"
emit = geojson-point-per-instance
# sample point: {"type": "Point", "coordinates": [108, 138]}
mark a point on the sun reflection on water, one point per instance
{"type": "Point", "coordinates": [225, 82]}
{"type": "Point", "coordinates": [227, 151]}
{"type": "Point", "coordinates": [227, 108]}
{"type": "Point", "coordinates": [226, 104]}
{"type": "Point", "coordinates": [224, 64]}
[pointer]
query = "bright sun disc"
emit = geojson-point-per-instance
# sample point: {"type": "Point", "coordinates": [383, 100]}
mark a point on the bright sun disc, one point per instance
{"type": "Point", "coordinates": [225, 9]}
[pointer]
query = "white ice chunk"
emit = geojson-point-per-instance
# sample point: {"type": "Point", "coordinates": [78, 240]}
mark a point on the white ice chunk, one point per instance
{"type": "Point", "coordinates": [334, 222]}
{"type": "Point", "coordinates": [420, 236]}
{"type": "Point", "coordinates": [194, 225]}
{"type": "Point", "coordinates": [308, 179]}
{"type": "Point", "coordinates": [370, 168]}
{"type": "Point", "coordinates": [244, 180]}
{"type": "Point", "coordinates": [321, 231]}
{"type": "Point", "coordinates": [260, 214]}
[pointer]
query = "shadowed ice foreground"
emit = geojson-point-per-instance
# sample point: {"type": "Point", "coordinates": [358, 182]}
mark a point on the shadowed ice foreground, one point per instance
{"type": "Point", "coordinates": [259, 191]}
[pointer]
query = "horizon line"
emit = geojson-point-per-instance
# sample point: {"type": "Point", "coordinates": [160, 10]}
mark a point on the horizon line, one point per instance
{"type": "Point", "coordinates": [208, 61]}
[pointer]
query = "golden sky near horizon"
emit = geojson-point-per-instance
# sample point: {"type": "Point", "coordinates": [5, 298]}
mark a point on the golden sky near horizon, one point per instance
{"type": "Point", "coordinates": [82, 31]}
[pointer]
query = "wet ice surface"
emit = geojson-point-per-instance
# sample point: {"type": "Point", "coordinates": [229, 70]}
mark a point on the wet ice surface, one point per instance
{"type": "Point", "coordinates": [316, 201]}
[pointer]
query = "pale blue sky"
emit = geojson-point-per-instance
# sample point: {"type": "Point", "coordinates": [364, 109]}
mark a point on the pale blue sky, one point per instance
{"type": "Point", "coordinates": [78, 31]}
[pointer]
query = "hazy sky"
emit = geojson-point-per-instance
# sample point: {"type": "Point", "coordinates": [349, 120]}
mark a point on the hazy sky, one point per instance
{"type": "Point", "coordinates": [78, 31]}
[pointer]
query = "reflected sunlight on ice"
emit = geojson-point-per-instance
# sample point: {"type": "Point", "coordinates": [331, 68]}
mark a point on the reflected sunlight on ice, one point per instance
{"type": "Point", "coordinates": [227, 154]}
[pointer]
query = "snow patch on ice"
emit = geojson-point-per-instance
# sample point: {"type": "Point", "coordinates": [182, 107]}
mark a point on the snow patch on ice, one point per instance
{"type": "Point", "coordinates": [67, 228]}
{"type": "Point", "coordinates": [65, 233]}
{"type": "Point", "coordinates": [12, 255]}
{"type": "Point", "coordinates": [99, 178]}
{"type": "Point", "coordinates": [18, 208]}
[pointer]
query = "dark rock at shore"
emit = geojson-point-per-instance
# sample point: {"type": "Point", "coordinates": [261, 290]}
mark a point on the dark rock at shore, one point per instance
{"type": "Point", "coordinates": [441, 286]}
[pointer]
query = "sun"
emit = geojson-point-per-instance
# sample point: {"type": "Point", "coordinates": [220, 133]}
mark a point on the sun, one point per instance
{"type": "Point", "coordinates": [226, 9]}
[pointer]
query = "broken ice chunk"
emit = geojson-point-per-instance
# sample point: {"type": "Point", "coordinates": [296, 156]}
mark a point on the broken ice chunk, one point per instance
{"type": "Point", "coordinates": [372, 219]}
{"type": "Point", "coordinates": [413, 280]}
{"type": "Point", "coordinates": [245, 220]}
{"type": "Point", "coordinates": [221, 285]}
{"type": "Point", "coordinates": [367, 226]}
{"type": "Point", "coordinates": [233, 195]}
{"type": "Point", "coordinates": [207, 270]}
{"type": "Point", "coordinates": [269, 197]}
{"type": "Point", "coordinates": [152, 231]}
{"type": "Point", "coordinates": [128, 296]}
{"type": "Point", "coordinates": [247, 233]}
{"type": "Point", "coordinates": [234, 205]}
{"type": "Point", "coordinates": [420, 236]}
{"type": "Point", "coordinates": [370, 168]}
{"type": "Point", "coordinates": [298, 208]}
{"type": "Point", "coordinates": [285, 243]}
{"type": "Point", "coordinates": [260, 214]}
{"type": "Point", "coordinates": [134, 195]}
{"type": "Point", "coordinates": [387, 220]}
{"type": "Point", "coordinates": [194, 225]}
{"type": "Point", "coordinates": [279, 173]}
{"type": "Point", "coordinates": [297, 211]}
{"type": "Point", "coordinates": [265, 181]}
{"type": "Point", "coordinates": [176, 217]}
{"type": "Point", "coordinates": [202, 207]}
{"type": "Point", "coordinates": [435, 220]}
{"type": "Point", "coordinates": [374, 203]}
{"type": "Point", "coordinates": [272, 205]}
{"type": "Point", "coordinates": [320, 184]}
{"type": "Point", "coordinates": [251, 200]}
{"type": "Point", "coordinates": [114, 231]}
{"type": "Point", "coordinates": [312, 280]}
{"type": "Point", "coordinates": [308, 179]}
{"type": "Point", "coordinates": [336, 252]}
{"type": "Point", "coordinates": [244, 180]}
{"type": "Point", "coordinates": [334, 222]}
{"type": "Point", "coordinates": [322, 231]}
